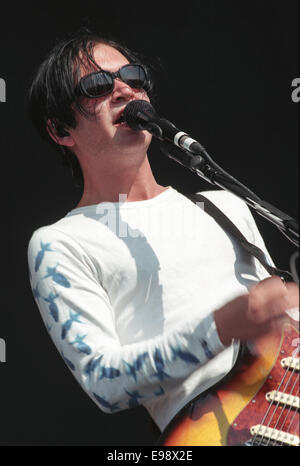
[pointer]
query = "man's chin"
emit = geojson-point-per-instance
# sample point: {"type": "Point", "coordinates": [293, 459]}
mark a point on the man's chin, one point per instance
{"type": "Point", "coordinates": [125, 135]}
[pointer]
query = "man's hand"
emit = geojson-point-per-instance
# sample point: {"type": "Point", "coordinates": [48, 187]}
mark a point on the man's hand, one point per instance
{"type": "Point", "coordinates": [261, 311]}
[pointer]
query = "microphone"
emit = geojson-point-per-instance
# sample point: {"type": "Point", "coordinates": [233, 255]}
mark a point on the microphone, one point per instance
{"type": "Point", "coordinates": [140, 115]}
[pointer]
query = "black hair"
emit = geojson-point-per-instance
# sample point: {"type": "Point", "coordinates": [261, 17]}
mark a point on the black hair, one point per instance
{"type": "Point", "coordinates": [52, 94]}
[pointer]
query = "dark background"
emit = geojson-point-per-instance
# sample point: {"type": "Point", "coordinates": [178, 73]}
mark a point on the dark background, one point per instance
{"type": "Point", "coordinates": [225, 77]}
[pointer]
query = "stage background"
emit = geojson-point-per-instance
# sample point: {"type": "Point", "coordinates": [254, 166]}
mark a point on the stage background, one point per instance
{"type": "Point", "coordinates": [225, 75]}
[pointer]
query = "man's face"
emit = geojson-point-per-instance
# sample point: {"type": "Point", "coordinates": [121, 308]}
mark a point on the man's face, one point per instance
{"type": "Point", "coordinates": [100, 134]}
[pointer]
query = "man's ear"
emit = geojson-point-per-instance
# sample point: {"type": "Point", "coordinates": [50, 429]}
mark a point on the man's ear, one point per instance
{"type": "Point", "coordinates": [59, 134]}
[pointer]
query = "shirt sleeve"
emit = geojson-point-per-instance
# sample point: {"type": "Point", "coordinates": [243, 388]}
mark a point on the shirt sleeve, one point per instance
{"type": "Point", "coordinates": [80, 320]}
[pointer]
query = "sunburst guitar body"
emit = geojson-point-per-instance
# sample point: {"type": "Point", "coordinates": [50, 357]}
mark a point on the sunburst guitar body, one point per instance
{"type": "Point", "coordinates": [256, 404]}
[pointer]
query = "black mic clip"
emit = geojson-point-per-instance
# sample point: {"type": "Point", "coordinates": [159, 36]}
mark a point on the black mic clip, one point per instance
{"type": "Point", "coordinates": [149, 125]}
{"type": "Point", "coordinates": [195, 163]}
{"type": "Point", "coordinates": [155, 130]}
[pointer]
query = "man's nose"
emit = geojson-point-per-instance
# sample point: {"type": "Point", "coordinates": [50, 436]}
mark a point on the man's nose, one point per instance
{"type": "Point", "coordinates": [122, 91]}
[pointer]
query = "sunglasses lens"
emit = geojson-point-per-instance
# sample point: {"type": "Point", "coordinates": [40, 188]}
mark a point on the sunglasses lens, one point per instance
{"type": "Point", "coordinates": [134, 76]}
{"type": "Point", "coordinates": [97, 84]}
{"type": "Point", "coordinates": [102, 83]}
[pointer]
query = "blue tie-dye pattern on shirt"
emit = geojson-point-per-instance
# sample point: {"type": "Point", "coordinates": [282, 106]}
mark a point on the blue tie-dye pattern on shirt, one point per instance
{"type": "Point", "coordinates": [36, 293]}
{"type": "Point", "coordinates": [48, 327]}
{"type": "Point", "coordinates": [185, 356]}
{"type": "Point", "coordinates": [134, 397]}
{"type": "Point", "coordinates": [40, 256]}
{"type": "Point", "coordinates": [107, 372]}
{"type": "Point", "coordinates": [159, 365]}
{"type": "Point", "coordinates": [74, 317]}
{"type": "Point", "coordinates": [81, 346]}
{"type": "Point", "coordinates": [92, 365]}
{"type": "Point", "coordinates": [159, 392]}
{"type": "Point", "coordinates": [52, 305]}
{"type": "Point", "coordinates": [137, 365]}
{"type": "Point", "coordinates": [57, 277]}
{"type": "Point", "coordinates": [106, 404]}
{"type": "Point", "coordinates": [68, 362]}
{"type": "Point", "coordinates": [206, 349]}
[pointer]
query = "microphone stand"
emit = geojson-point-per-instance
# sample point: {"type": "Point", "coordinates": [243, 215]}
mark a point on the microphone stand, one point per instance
{"type": "Point", "coordinates": [201, 163]}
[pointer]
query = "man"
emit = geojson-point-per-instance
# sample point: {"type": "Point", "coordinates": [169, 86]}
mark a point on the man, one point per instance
{"type": "Point", "coordinates": [144, 295]}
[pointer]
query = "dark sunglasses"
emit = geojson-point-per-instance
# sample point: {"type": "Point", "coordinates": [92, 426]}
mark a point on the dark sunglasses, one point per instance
{"type": "Point", "coordinates": [100, 83]}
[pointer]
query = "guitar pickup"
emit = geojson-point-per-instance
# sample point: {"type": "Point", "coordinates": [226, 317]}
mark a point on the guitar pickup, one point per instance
{"type": "Point", "coordinates": [283, 398]}
{"type": "Point", "coordinates": [275, 435]}
{"type": "Point", "coordinates": [291, 363]}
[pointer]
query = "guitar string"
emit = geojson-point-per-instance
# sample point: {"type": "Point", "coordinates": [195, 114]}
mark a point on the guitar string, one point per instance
{"type": "Point", "coordinates": [267, 412]}
{"type": "Point", "coordinates": [259, 431]}
{"type": "Point", "coordinates": [296, 410]}
{"type": "Point", "coordinates": [293, 418]}
{"type": "Point", "coordinates": [282, 409]}
{"type": "Point", "coordinates": [276, 407]}
{"type": "Point", "coordinates": [272, 403]}
{"type": "Point", "coordinates": [289, 411]}
{"type": "Point", "coordinates": [293, 397]}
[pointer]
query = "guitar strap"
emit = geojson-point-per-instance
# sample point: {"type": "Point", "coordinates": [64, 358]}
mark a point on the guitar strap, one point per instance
{"type": "Point", "coordinates": [227, 225]}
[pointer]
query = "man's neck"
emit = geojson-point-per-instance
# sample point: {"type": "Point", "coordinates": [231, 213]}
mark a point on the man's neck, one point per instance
{"type": "Point", "coordinates": [120, 186]}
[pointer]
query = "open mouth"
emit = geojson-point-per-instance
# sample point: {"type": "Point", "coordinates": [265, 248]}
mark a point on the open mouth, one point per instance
{"type": "Point", "coordinates": [120, 121]}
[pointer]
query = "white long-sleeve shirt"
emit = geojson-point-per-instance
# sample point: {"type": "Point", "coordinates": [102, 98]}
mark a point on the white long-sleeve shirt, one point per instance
{"type": "Point", "coordinates": [127, 291]}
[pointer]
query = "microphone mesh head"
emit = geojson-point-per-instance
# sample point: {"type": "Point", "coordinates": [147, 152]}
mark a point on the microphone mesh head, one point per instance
{"type": "Point", "coordinates": [138, 113]}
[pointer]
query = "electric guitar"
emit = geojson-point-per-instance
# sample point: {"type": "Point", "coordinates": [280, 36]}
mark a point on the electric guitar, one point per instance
{"type": "Point", "coordinates": [257, 403]}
